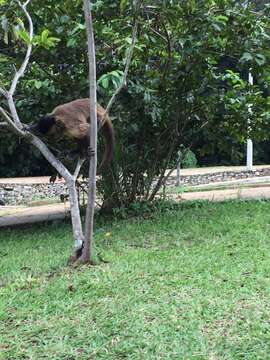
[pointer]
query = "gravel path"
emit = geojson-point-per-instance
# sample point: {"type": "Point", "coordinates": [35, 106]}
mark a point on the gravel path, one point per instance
{"type": "Point", "coordinates": [184, 172]}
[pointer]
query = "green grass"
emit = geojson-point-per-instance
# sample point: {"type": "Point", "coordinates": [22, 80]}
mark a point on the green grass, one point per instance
{"type": "Point", "coordinates": [185, 189]}
{"type": "Point", "coordinates": [203, 188]}
{"type": "Point", "coordinates": [190, 283]}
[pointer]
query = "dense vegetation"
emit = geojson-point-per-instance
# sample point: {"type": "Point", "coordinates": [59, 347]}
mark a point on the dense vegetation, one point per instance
{"type": "Point", "coordinates": [187, 87]}
{"type": "Point", "coordinates": [169, 291]}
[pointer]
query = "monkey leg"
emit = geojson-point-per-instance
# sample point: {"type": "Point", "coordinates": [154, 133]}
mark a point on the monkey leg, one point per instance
{"type": "Point", "coordinates": [82, 146]}
{"type": "Point", "coordinates": [53, 178]}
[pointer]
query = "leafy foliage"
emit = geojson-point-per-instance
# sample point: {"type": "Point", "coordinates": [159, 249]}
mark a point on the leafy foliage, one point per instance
{"type": "Point", "coordinates": [187, 85]}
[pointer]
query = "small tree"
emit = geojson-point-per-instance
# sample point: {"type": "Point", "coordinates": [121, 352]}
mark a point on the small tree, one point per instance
{"type": "Point", "coordinates": [89, 223]}
{"type": "Point", "coordinates": [82, 243]}
{"type": "Point", "coordinates": [188, 86]}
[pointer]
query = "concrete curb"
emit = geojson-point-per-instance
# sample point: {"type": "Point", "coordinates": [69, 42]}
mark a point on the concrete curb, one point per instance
{"type": "Point", "coordinates": [34, 215]}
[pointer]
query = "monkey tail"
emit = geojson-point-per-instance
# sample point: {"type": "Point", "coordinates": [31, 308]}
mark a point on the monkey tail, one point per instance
{"type": "Point", "coordinates": [108, 133]}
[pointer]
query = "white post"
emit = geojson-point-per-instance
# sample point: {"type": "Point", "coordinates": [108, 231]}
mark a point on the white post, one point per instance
{"type": "Point", "coordinates": [249, 155]}
{"type": "Point", "coordinates": [249, 160]}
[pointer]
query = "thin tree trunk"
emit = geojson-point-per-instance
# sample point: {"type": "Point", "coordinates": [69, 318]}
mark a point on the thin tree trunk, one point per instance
{"type": "Point", "coordinates": [75, 215]}
{"type": "Point", "coordinates": [88, 238]}
{"type": "Point", "coordinates": [178, 173]}
{"type": "Point", "coordinates": [162, 179]}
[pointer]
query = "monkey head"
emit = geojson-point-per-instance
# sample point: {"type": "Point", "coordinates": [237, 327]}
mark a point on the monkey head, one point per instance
{"type": "Point", "coordinates": [44, 126]}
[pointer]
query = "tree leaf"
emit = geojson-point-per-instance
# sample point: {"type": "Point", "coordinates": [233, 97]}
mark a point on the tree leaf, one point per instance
{"type": "Point", "coordinates": [246, 57]}
{"type": "Point", "coordinates": [260, 59]}
{"type": "Point", "coordinates": [23, 35]}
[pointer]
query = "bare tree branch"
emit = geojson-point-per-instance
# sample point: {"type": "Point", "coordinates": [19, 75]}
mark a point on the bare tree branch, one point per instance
{"type": "Point", "coordinates": [16, 126]}
{"type": "Point", "coordinates": [26, 3]}
{"type": "Point", "coordinates": [169, 47]}
{"type": "Point", "coordinates": [22, 69]}
{"type": "Point", "coordinates": [128, 60]}
{"type": "Point", "coordinates": [161, 176]}
{"type": "Point", "coordinates": [62, 170]}
{"type": "Point", "coordinates": [78, 168]}
{"type": "Point", "coordinates": [11, 123]}
{"type": "Point", "coordinates": [158, 34]}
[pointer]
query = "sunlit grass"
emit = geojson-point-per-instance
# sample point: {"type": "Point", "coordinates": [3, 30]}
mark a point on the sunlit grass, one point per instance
{"type": "Point", "coordinates": [189, 283]}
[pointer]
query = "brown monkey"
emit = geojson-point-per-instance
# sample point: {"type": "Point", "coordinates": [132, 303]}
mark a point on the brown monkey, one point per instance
{"type": "Point", "coordinates": [72, 120]}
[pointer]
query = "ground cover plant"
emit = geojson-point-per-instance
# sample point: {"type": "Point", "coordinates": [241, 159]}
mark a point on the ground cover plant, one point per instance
{"type": "Point", "coordinates": [185, 282]}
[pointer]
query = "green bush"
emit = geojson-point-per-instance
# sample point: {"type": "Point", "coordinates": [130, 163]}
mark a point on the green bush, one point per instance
{"type": "Point", "coordinates": [189, 160]}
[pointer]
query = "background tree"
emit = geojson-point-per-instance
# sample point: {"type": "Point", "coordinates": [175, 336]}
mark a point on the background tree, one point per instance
{"type": "Point", "coordinates": [179, 93]}
{"type": "Point", "coordinates": [182, 90]}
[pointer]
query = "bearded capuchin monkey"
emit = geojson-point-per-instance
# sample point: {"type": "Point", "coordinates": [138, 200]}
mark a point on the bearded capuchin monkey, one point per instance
{"type": "Point", "coordinates": [72, 120]}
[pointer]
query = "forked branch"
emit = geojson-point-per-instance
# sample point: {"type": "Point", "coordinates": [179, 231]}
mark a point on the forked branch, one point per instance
{"type": "Point", "coordinates": [16, 126]}
{"type": "Point", "coordinates": [11, 123]}
{"type": "Point", "coordinates": [78, 168]}
{"type": "Point", "coordinates": [19, 73]}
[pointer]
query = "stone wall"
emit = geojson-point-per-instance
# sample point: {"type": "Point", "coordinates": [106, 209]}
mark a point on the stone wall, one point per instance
{"type": "Point", "coordinates": [19, 194]}
{"type": "Point", "coordinates": [189, 180]}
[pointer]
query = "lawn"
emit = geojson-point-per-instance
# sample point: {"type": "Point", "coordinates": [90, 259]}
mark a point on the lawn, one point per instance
{"type": "Point", "coordinates": [186, 283]}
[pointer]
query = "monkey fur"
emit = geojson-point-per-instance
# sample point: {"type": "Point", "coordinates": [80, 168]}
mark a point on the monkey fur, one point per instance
{"type": "Point", "coordinates": [72, 120]}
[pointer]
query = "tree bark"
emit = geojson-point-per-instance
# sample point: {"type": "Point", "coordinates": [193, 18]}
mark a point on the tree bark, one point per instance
{"type": "Point", "coordinates": [75, 215]}
{"type": "Point", "coordinates": [89, 226]}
